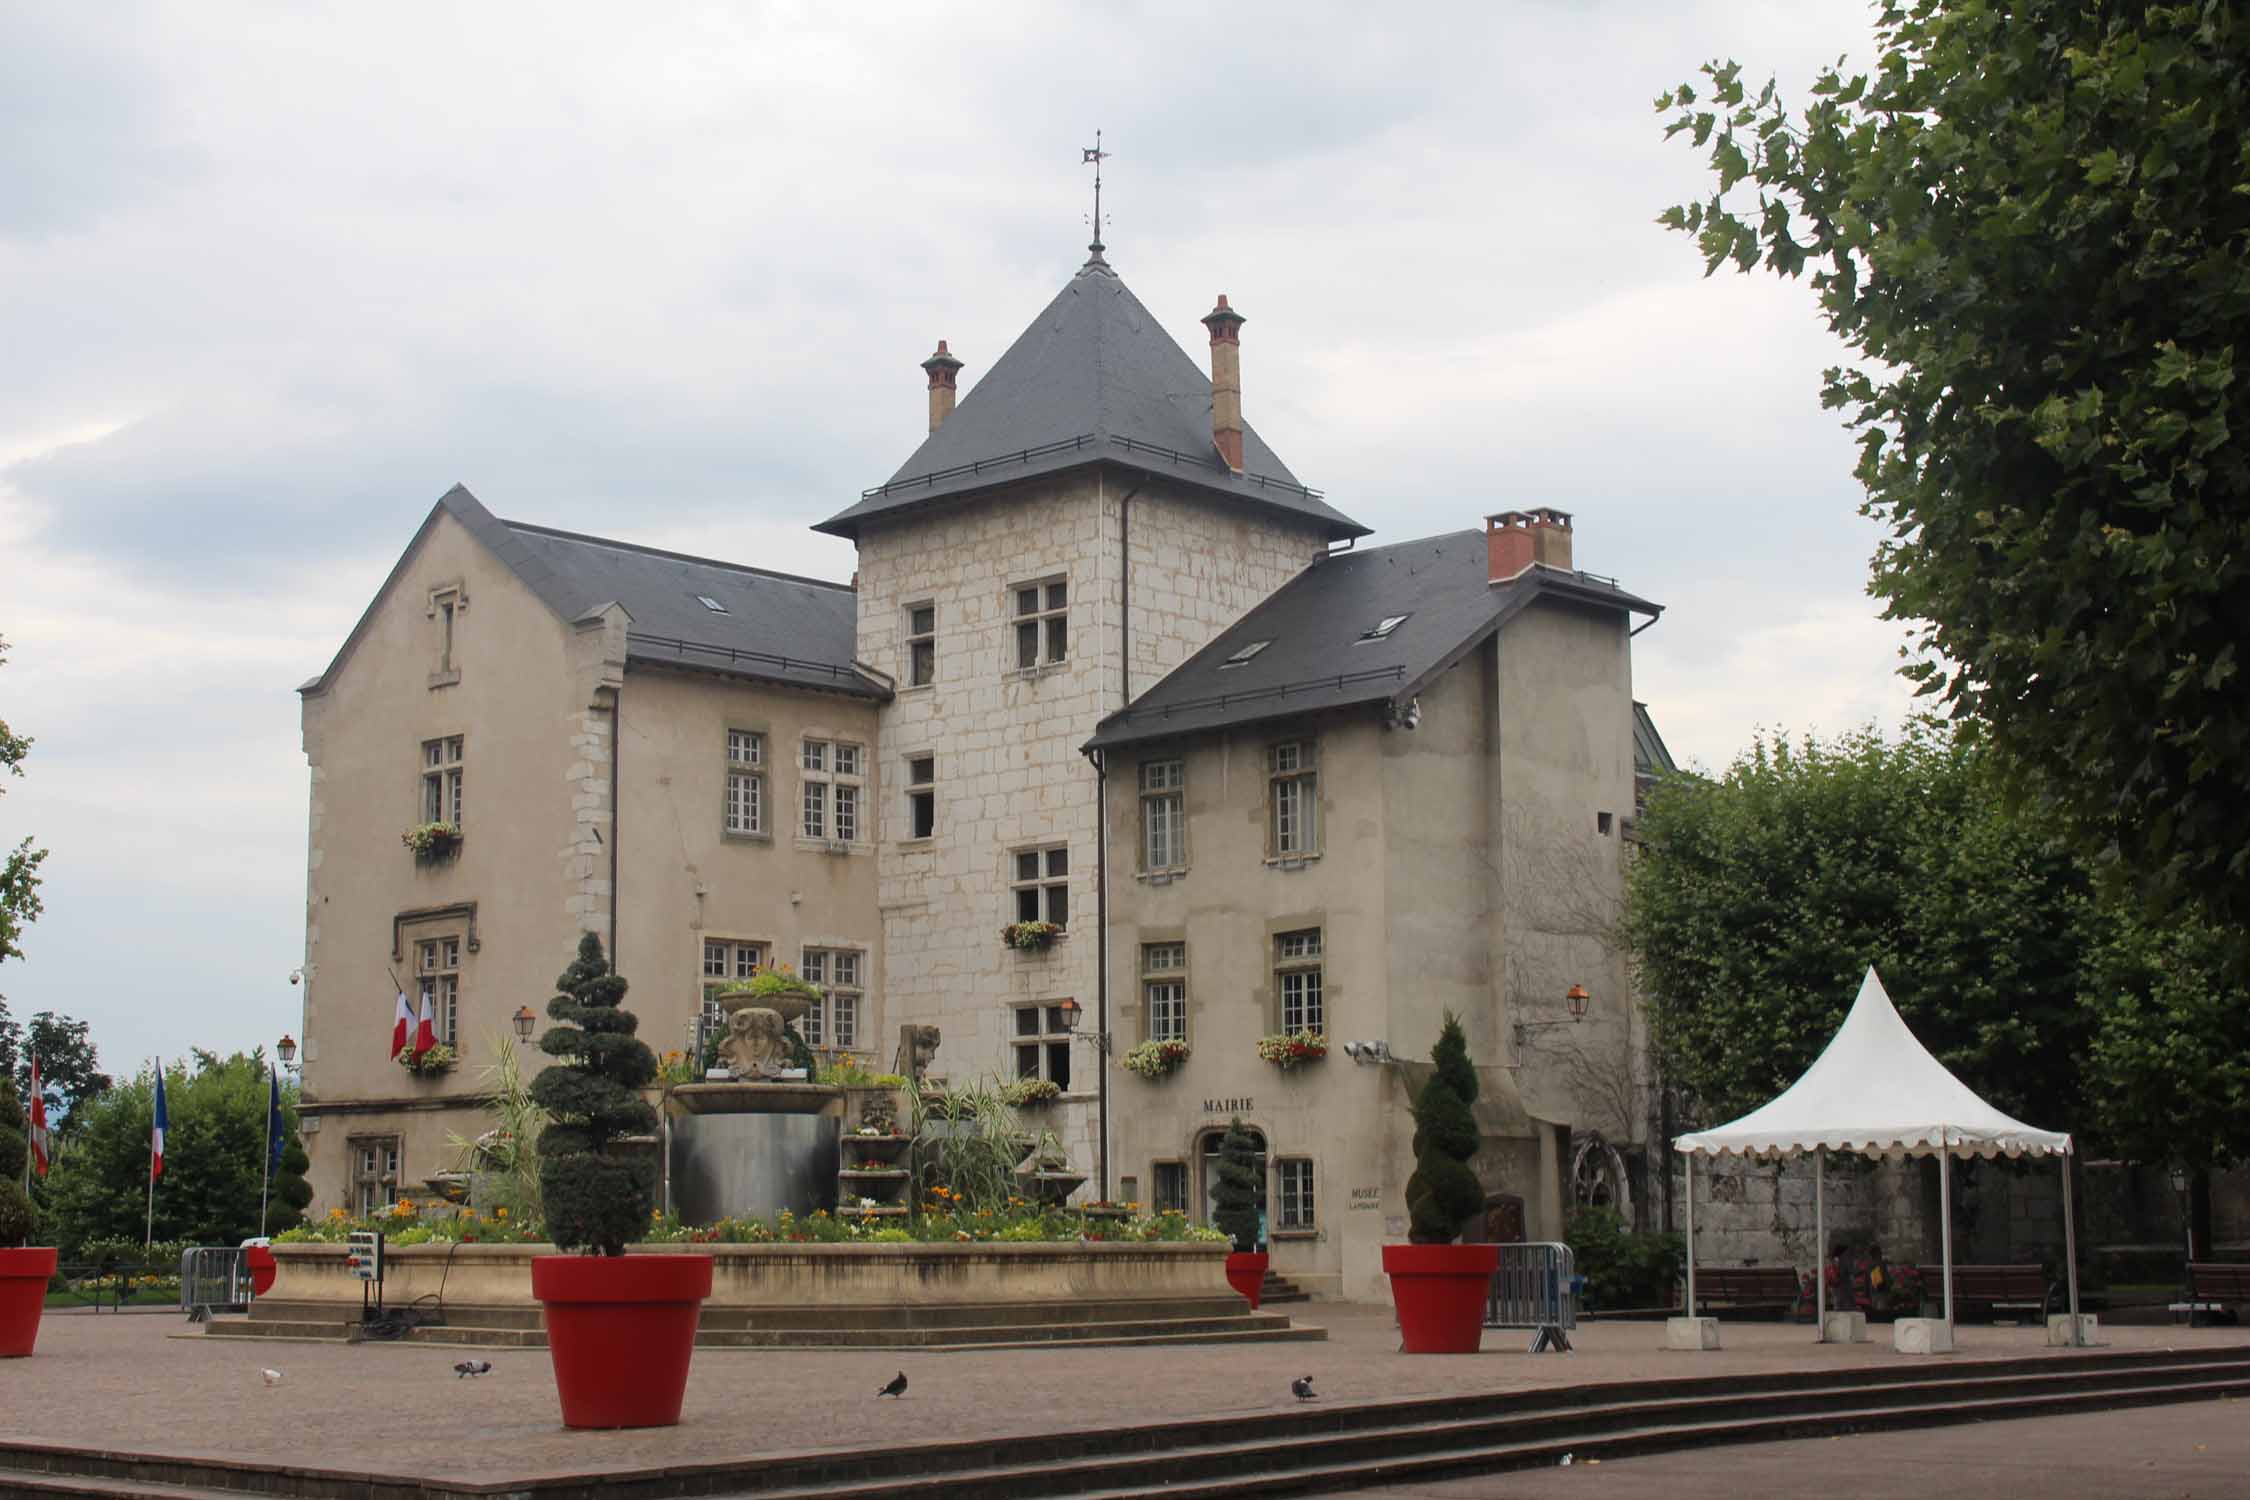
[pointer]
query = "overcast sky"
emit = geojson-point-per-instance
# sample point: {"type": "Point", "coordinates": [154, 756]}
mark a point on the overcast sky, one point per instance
{"type": "Point", "coordinates": [273, 278]}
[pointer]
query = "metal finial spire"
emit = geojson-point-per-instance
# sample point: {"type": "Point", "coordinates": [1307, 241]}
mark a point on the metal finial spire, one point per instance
{"type": "Point", "coordinates": [1096, 155]}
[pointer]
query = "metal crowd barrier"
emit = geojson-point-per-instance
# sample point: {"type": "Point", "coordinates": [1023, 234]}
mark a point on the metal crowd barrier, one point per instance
{"type": "Point", "coordinates": [214, 1279]}
{"type": "Point", "coordinates": [1535, 1286]}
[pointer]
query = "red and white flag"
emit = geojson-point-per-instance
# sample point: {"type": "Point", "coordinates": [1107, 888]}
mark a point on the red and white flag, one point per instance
{"type": "Point", "coordinates": [38, 1119]}
{"type": "Point", "coordinates": [425, 1030]}
{"type": "Point", "coordinates": [401, 1024]}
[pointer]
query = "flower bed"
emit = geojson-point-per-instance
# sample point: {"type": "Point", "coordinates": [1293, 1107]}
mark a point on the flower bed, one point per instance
{"type": "Point", "coordinates": [1285, 1051]}
{"type": "Point", "coordinates": [1156, 1059]}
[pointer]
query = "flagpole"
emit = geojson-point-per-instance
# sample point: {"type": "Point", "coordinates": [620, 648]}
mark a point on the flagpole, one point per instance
{"type": "Point", "coordinates": [148, 1231]}
{"type": "Point", "coordinates": [265, 1181]}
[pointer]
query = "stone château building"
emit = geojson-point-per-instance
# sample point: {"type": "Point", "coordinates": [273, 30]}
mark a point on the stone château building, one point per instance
{"type": "Point", "coordinates": [1106, 663]}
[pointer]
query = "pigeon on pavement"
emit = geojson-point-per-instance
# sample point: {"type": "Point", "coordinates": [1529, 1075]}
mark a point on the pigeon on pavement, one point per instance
{"type": "Point", "coordinates": [897, 1387]}
{"type": "Point", "coordinates": [273, 1377]}
{"type": "Point", "coordinates": [1301, 1387]}
{"type": "Point", "coordinates": [472, 1368]}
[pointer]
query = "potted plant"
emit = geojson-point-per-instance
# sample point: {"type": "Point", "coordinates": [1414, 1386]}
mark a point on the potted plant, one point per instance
{"type": "Point", "coordinates": [24, 1270]}
{"type": "Point", "coordinates": [620, 1328]}
{"type": "Point", "coordinates": [1238, 1201]}
{"type": "Point", "coordinates": [1046, 1173]}
{"type": "Point", "coordinates": [1031, 937]}
{"type": "Point", "coordinates": [1156, 1059]}
{"type": "Point", "coordinates": [1031, 1093]}
{"type": "Point", "coordinates": [1438, 1286]}
{"type": "Point", "coordinates": [1286, 1051]}
{"type": "Point", "coordinates": [429, 1062]}
{"type": "Point", "coordinates": [432, 841]}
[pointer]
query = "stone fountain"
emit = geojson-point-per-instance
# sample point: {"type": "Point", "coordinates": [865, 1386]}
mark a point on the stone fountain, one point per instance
{"type": "Point", "coordinates": [765, 1139]}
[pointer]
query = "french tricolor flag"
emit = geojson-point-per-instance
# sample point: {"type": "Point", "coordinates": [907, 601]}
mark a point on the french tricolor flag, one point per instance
{"type": "Point", "coordinates": [156, 1130]}
{"type": "Point", "coordinates": [402, 1025]}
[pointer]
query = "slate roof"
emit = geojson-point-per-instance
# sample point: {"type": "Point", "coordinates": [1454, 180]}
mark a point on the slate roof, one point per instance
{"type": "Point", "coordinates": [1315, 658]}
{"type": "Point", "coordinates": [1094, 378]}
{"type": "Point", "coordinates": [777, 627]}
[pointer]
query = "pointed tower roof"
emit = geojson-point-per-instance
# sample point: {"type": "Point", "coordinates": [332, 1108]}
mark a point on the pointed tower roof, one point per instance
{"type": "Point", "coordinates": [1094, 379]}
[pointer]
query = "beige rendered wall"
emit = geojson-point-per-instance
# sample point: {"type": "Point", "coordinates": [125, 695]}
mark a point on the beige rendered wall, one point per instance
{"type": "Point", "coordinates": [1227, 908]}
{"type": "Point", "coordinates": [522, 718]}
{"type": "Point", "coordinates": [1564, 686]}
{"type": "Point", "coordinates": [684, 878]}
{"type": "Point", "coordinates": [1009, 770]}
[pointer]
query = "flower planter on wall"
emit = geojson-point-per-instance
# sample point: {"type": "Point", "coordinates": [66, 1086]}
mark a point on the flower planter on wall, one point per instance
{"type": "Point", "coordinates": [1247, 1275]}
{"type": "Point", "coordinates": [23, 1293]}
{"type": "Point", "coordinates": [620, 1331]}
{"type": "Point", "coordinates": [1439, 1291]}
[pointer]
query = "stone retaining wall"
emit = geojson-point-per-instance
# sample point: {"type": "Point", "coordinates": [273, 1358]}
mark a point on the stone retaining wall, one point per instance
{"type": "Point", "coordinates": [789, 1275]}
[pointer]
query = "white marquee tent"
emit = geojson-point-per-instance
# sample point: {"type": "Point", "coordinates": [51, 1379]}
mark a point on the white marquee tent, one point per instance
{"type": "Point", "coordinates": [1876, 1091]}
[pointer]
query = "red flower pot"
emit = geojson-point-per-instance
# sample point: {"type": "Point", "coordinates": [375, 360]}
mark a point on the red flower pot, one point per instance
{"type": "Point", "coordinates": [262, 1269]}
{"type": "Point", "coordinates": [23, 1292]}
{"type": "Point", "coordinates": [620, 1331]}
{"type": "Point", "coordinates": [1247, 1275]}
{"type": "Point", "coordinates": [1440, 1292]}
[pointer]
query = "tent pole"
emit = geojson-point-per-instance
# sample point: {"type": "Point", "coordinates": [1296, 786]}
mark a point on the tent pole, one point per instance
{"type": "Point", "coordinates": [2070, 1249]}
{"type": "Point", "coordinates": [1945, 1221]}
{"type": "Point", "coordinates": [1820, 1241]}
{"type": "Point", "coordinates": [1691, 1234]}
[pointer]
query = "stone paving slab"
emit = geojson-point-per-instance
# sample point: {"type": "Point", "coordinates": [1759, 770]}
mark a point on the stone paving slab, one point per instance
{"type": "Point", "coordinates": [2196, 1451]}
{"type": "Point", "coordinates": [129, 1384]}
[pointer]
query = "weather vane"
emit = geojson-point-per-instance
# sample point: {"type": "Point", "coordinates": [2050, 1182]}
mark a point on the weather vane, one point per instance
{"type": "Point", "coordinates": [1096, 155]}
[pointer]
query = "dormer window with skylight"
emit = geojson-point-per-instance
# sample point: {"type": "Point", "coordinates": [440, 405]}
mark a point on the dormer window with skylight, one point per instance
{"type": "Point", "coordinates": [1381, 629]}
{"type": "Point", "coordinates": [1242, 657]}
{"type": "Point", "coordinates": [711, 604]}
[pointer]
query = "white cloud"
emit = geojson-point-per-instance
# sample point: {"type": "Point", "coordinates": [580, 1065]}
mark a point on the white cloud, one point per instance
{"type": "Point", "coordinates": [272, 279]}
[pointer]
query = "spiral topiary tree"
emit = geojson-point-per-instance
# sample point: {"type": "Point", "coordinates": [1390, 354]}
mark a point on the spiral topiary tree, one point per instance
{"type": "Point", "coordinates": [15, 1208]}
{"type": "Point", "coordinates": [1443, 1195]}
{"type": "Point", "coordinates": [594, 1200]}
{"type": "Point", "coordinates": [1240, 1189]}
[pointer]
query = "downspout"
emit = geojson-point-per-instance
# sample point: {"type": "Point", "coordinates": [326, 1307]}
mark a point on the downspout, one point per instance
{"type": "Point", "coordinates": [616, 751]}
{"type": "Point", "coordinates": [1101, 981]}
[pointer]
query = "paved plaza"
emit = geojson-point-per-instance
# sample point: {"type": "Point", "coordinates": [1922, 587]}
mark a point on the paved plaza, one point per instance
{"type": "Point", "coordinates": [146, 1382]}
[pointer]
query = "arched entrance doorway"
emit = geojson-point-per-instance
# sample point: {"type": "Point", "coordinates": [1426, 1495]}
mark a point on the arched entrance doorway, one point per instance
{"type": "Point", "coordinates": [1207, 1155]}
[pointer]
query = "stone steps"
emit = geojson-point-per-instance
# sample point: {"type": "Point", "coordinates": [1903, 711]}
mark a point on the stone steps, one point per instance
{"type": "Point", "coordinates": [1281, 1289]}
{"type": "Point", "coordinates": [1313, 1447]}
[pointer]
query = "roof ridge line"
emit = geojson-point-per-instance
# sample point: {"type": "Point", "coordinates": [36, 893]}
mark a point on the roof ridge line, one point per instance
{"type": "Point", "coordinates": [689, 557]}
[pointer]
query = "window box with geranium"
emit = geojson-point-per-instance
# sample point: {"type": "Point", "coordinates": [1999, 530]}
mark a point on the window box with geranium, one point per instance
{"type": "Point", "coordinates": [432, 841]}
{"type": "Point", "coordinates": [1285, 1051]}
{"type": "Point", "coordinates": [1031, 1093]}
{"type": "Point", "coordinates": [430, 1061]}
{"type": "Point", "coordinates": [1156, 1059]}
{"type": "Point", "coordinates": [1031, 937]}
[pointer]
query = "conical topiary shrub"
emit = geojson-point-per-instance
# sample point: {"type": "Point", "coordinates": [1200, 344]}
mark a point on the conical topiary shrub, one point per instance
{"type": "Point", "coordinates": [593, 1200]}
{"type": "Point", "coordinates": [1443, 1195]}
{"type": "Point", "coordinates": [1240, 1190]}
{"type": "Point", "coordinates": [15, 1208]}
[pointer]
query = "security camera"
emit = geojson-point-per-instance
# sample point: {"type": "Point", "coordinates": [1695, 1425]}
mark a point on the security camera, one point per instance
{"type": "Point", "coordinates": [1351, 1049]}
{"type": "Point", "coordinates": [295, 975]}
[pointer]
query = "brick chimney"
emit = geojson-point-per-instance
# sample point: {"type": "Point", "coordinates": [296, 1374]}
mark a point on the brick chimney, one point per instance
{"type": "Point", "coordinates": [1226, 381]}
{"type": "Point", "coordinates": [1516, 539]}
{"type": "Point", "coordinates": [941, 368]}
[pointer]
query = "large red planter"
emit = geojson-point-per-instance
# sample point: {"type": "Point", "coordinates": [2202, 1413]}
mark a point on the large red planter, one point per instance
{"type": "Point", "coordinates": [263, 1269]}
{"type": "Point", "coordinates": [621, 1330]}
{"type": "Point", "coordinates": [1247, 1275]}
{"type": "Point", "coordinates": [1440, 1292]}
{"type": "Point", "coordinates": [23, 1292]}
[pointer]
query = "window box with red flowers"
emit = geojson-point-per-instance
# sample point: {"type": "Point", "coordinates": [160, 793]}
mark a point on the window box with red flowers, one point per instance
{"type": "Point", "coordinates": [1286, 1051]}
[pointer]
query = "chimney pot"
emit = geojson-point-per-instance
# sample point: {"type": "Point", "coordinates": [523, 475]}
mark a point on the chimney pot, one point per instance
{"type": "Point", "coordinates": [941, 367]}
{"type": "Point", "coordinates": [1515, 540]}
{"type": "Point", "coordinates": [1226, 381]}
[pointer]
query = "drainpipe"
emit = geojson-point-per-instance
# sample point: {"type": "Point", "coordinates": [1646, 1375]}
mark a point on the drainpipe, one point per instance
{"type": "Point", "coordinates": [616, 753]}
{"type": "Point", "coordinates": [1101, 980]}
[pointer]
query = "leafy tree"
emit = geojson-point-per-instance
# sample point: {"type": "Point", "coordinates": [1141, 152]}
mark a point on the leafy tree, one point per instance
{"type": "Point", "coordinates": [69, 1071]}
{"type": "Point", "coordinates": [593, 1198]}
{"type": "Point", "coordinates": [15, 1208]}
{"type": "Point", "coordinates": [214, 1159]}
{"type": "Point", "coordinates": [1443, 1195]}
{"type": "Point", "coordinates": [1240, 1192]}
{"type": "Point", "coordinates": [1757, 901]}
{"type": "Point", "coordinates": [2031, 226]}
{"type": "Point", "coordinates": [2171, 1048]}
{"type": "Point", "coordinates": [19, 872]}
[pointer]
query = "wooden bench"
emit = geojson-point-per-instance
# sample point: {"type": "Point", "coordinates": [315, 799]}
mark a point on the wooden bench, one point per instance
{"type": "Point", "coordinates": [2213, 1288]}
{"type": "Point", "coordinates": [2017, 1289]}
{"type": "Point", "coordinates": [1746, 1288]}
